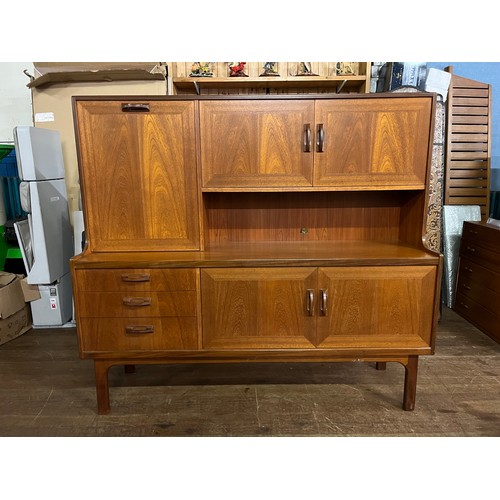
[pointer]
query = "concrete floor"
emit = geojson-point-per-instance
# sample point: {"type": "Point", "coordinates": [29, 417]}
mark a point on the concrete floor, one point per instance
{"type": "Point", "coordinates": [46, 390]}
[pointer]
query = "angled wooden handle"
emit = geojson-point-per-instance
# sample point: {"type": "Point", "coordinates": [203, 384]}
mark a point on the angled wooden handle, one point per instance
{"type": "Point", "coordinates": [140, 329]}
{"type": "Point", "coordinates": [135, 277]}
{"type": "Point", "coordinates": [136, 301]}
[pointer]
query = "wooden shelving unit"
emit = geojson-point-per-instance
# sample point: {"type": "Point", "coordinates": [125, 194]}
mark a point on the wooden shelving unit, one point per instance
{"type": "Point", "coordinates": [326, 80]}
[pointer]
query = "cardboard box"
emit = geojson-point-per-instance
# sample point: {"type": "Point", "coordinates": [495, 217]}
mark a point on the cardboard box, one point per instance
{"type": "Point", "coordinates": [15, 325]}
{"type": "Point", "coordinates": [11, 294]}
{"type": "Point", "coordinates": [15, 316]}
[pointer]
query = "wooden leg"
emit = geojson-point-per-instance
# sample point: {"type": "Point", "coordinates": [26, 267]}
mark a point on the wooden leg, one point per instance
{"type": "Point", "coordinates": [102, 386]}
{"type": "Point", "coordinates": [129, 368]}
{"type": "Point", "coordinates": [410, 391]}
{"type": "Point", "coordinates": [380, 365]}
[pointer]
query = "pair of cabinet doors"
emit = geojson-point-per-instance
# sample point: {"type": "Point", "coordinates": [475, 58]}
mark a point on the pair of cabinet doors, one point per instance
{"type": "Point", "coordinates": [308, 307]}
{"type": "Point", "coordinates": [336, 143]}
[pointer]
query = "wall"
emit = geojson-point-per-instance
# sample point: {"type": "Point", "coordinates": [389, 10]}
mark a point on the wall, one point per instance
{"type": "Point", "coordinates": [15, 98]}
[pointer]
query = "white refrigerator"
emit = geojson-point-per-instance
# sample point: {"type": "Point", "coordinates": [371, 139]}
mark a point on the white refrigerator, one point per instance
{"type": "Point", "coordinates": [45, 238]}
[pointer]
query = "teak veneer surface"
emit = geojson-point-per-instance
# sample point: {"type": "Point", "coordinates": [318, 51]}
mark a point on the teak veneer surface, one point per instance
{"type": "Point", "coordinates": [187, 261]}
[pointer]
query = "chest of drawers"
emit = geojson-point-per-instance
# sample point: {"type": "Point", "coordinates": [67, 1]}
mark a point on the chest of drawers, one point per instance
{"type": "Point", "coordinates": [478, 284]}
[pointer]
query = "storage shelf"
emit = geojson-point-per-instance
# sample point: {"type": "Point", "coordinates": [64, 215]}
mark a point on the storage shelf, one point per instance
{"type": "Point", "coordinates": [268, 254]}
{"type": "Point", "coordinates": [337, 82]}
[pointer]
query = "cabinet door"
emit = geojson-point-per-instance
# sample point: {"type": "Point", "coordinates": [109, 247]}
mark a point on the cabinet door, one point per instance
{"type": "Point", "coordinates": [138, 175]}
{"type": "Point", "coordinates": [258, 308]}
{"type": "Point", "coordinates": [376, 307]}
{"type": "Point", "coordinates": [256, 143]}
{"type": "Point", "coordinates": [370, 143]}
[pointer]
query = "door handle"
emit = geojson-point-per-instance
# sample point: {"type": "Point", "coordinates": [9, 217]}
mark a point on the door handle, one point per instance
{"type": "Point", "coordinates": [310, 302]}
{"type": "Point", "coordinates": [320, 138]}
{"type": "Point", "coordinates": [323, 305]}
{"type": "Point", "coordinates": [306, 146]}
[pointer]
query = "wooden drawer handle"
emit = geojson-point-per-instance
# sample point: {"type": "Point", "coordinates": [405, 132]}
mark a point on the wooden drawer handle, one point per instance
{"type": "Point", "coordinates": [471, 249]}
{"type": "Point", "coordinates": [135, 277]}
{"type": "Point", "coordinates": [472, 231]}
{"type": "Point", "coordinates": [135, 107]}
{"type": "Point", "coordinates": [139, 329]}
{"type": "Point", "coordinates": [136, 301]}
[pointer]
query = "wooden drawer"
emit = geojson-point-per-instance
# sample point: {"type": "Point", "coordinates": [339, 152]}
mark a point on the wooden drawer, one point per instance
{"type": "Point", "coordinates": [116, 280]}
{"type": "Point", "coordinates": [471, 273]}
{"type": "Point", "coordinates": [139, 334]}
{"type": "Point", "coordinates": [484, 319]}
{"type": "Point", "coordinates": [126, 304]}
{"type": "Point", "coordinates": [482, 234]}
{"type": "Point", "coordinates": [487, 257]}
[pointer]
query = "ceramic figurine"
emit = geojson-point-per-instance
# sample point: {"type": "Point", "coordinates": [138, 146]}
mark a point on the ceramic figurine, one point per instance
{"type": "Point", "coordinates": [305, 69]}
{"type": "Point", "coordinates": [201, 69]}
{"type": "Point", "coordinates": [344, 69]}
{"type": "Point", "coordinates": [270, 69]}
{"type": "Point", "coordinates": [236, 69]}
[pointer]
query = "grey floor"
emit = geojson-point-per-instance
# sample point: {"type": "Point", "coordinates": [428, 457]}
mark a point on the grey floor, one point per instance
{"type": "Point", "coordinates": [46, 390]}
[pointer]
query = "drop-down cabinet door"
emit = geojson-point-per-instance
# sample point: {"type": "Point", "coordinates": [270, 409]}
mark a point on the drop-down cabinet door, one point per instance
{"type": "Point", "coordinates": [138, 174]}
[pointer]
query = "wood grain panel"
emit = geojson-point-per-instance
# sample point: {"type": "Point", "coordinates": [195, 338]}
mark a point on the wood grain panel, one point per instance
{"type": "Point", "coordinates": [257, 308]}
{"type": "Point", "coordinates": [255, 143]}
{"type": "Point", "coordinates": [110, 334]}
{"type": "Point", "coordinates": [138, 305]}
{"type": "Point", "coordinates": [138, 173]}
{"type": "Point", "coordinates": [375, 142]}
{"type": "Point", "coordinates": [377, 304]}
{"type": "Point", "coordinates": [135, 280]}
{"type": "Point", "coordinates": [322, 216]}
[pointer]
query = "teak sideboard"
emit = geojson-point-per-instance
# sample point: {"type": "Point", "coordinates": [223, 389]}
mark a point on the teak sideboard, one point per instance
{"type": "Point", "coordinates": [236, 229]}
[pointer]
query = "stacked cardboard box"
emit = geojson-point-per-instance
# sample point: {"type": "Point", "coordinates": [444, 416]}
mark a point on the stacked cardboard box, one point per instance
{"type": "Point", "coordinates": [15, 314]}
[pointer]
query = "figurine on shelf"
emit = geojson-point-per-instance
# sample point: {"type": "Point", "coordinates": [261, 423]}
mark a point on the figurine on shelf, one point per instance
{"type": "Point", "coordinates": [236, 69]}
{"type": "Point", "coordinates": [203, 69]}
{"type": "Point", "coordinates": [305, 70]}
{"type": "Point", "coordinates": [344, 69]}
{"type": "Point", "coordinates": [270, 69]}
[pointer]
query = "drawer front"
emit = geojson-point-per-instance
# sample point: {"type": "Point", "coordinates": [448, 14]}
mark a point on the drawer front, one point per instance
{"type": "Point", "coordinates": [487, 257]}
{"type": "Point", "coordinates": [481, 234]}
{"type": "Point", "coordinates": [137, 305]}
{"type": "Point", "coordinates": [484, 319]}
{"type": "Point", "coordinates": [116, 280]}
{"type": "Point", "coordinates": [138, 334]}
{"type": "Point", "coordinates": [471, 273]}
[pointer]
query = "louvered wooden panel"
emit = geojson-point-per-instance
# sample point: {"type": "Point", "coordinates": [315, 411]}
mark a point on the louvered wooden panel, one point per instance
{"type": "Point", "coordinates": [468, 136]}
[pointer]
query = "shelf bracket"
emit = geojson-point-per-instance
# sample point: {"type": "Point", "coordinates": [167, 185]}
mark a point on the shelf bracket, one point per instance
{"type": "Point", "coordinates": [340, 86]}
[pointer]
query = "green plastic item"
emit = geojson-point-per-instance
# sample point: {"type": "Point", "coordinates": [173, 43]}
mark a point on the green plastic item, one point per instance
{"type": "Point", "coordinates": [5, 149]}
